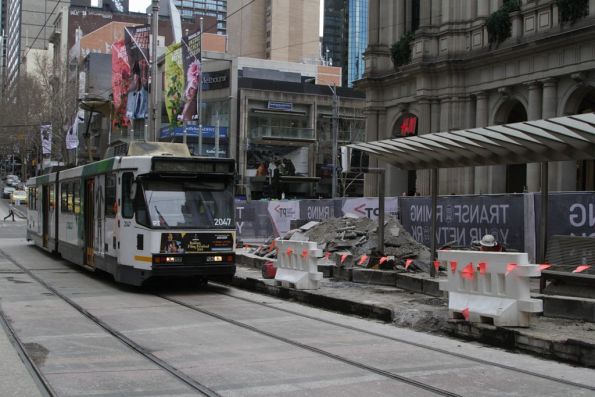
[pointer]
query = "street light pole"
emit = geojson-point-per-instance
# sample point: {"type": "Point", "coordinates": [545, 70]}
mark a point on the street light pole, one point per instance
{"type": "Point", "coordinates": [334, 138]}
{"type": "Point", "coordinates": [199, 102]}
{"type": "Point", "coordinates": [153, 105]}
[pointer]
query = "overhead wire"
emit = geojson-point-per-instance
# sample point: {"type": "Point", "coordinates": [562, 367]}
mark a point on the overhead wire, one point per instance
{"type": "Point", "coordinates": [42, 27]}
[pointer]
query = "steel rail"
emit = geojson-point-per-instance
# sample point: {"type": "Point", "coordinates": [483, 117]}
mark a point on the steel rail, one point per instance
{"type": "Point", "coordinates": [43, 385]}
{"type": "Point", "coordinates": [431, 348]}
{"type": "Point", "coordinates": [197, 386]}
{"type": "Point", "coordinates": [313, 349]}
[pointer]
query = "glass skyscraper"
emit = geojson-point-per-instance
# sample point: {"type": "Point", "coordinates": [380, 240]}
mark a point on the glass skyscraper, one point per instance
{"type": "Point", "coordinates": [214, 8]}
{"type": "Point", "coordinates": [357, 26]}
{"type": "Point", "coordinates": [345, 36]}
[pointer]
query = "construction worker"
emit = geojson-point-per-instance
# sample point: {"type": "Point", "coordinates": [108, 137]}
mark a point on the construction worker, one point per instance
{"type": "Point", "coordinates": [489, 243]}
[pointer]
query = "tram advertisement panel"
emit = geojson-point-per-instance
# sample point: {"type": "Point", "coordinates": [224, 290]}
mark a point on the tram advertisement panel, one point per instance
{"type": "Point", "coordinates": [189, 243]}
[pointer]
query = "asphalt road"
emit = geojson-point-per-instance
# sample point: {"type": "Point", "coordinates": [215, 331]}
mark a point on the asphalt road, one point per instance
{"type": "Point", "coordinates": [90, 336]}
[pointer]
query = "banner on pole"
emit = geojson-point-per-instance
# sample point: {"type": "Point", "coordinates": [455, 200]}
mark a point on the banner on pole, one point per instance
{"type": "Point", "coordinates": [72, 136]}
{"type": "Point", "coordinates": [191, 57]}
{"type": "Point", "coordinates": [137, 48]}
{"type": "Point", "coordinates": [174, 84]}
{"type": "Point", "coordinates": [120, 83]}
{"type": "Point", "coordinates": [46, 139]}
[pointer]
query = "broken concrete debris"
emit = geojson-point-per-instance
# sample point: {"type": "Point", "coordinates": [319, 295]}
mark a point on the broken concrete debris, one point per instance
{"type": "Point", "coordinates": [352, 241]}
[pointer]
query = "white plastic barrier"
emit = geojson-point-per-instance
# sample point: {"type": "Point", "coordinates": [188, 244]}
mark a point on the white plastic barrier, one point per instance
{"type": "Point", "coordinates": [297, 264]}
{"type": "Point", "coordinates": [494, 289]}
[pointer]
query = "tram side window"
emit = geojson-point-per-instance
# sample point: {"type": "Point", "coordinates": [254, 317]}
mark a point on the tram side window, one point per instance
{"type": "Point", "coordinates": [32, 196]}
{"type": "Point", "coordinates": [110, 196]}
{"type": "Point", "coordinates": [140, 208]}
{"type": "Point", "coordinates": [52, 197]}
{"type": "Point", "coordinates": [64, 197]}
{"type": "Point", "coordinates": [127, 205]}
{"type": "Point", "coordinates": [76, 198]}
{"type": "Point", "coordinates": [69, 198]}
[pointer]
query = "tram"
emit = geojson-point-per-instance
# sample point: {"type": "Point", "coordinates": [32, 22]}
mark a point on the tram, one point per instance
{"type": "Point", "coordinates": [155, 212]}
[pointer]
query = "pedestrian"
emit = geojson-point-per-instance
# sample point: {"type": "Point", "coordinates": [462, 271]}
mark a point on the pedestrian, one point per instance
{"type": "Point", "coordinates": [10, 212]}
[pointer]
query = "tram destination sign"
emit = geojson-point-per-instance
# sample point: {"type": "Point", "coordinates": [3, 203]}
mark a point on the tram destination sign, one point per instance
{"type": "Point", "coordinates": [192, 166]}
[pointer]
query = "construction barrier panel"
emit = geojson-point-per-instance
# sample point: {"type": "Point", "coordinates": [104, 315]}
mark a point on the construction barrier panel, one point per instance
{"type": "Point", "coordinates": [490, 287]}
{"type": "Point", "coordinates": [297, 264]}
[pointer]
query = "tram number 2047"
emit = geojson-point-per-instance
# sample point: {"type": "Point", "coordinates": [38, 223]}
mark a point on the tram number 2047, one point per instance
{"type": "Point", "coordinates": [222, 221]}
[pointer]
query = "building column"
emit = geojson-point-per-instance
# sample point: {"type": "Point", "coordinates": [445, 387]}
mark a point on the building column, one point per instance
{"type": "Point", "coordinates": [483, 8]}
{"type": "Point", "coordinates": [562, 174]}
{"type": "Point", "coordinates": [436, 12]}
{"type": "Point", "coordinates": [471, 9]}
{"type": "Point", "coordinates": [424, 126]}
{"type": "Point", "coordinates": [446, 11]}
{"type": "Point", "coordinates": [399, 19]}
{"type": "Point", "coordinates": [468, 180]}
{"type": "Point", "coordinates": [534, 113]}
{"type": "Point", "coordinates": [481, 120]}
{"type": "Point", "coordinates": [425, 12]}
{"type": "Point", "coordinates": [373, 22]}
{"type": "Point", "coordinates": [372, 128]}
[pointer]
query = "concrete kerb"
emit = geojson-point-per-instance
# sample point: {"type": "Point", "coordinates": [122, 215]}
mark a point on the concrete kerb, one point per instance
{"type": "Point", "coordinates": [569, 350]}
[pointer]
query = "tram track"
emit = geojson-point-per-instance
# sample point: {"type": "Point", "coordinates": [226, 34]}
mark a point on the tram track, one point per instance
{"type": "Point", "coordinates": [192, 383]}
{"type": "Point", "coordinates": [361, 365]}
{"type": "Point", "coordinates": [43, 385]}
{"type": "Point", "coordinates": [378, 371]}
{"type": "Point", "coordinates": [206, 391]}
{"type": "Point", "coordinates": [419, 345]}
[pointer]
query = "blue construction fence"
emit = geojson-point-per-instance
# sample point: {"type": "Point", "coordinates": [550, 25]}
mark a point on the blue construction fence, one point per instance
{"type": "Point", "coordinates": [512, 218]}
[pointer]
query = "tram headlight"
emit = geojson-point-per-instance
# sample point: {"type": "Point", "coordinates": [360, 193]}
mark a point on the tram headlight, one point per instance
{"type": "Point", "coordinates": [167, 259]}
{"type": "Point", "coordinates": [216, 258]}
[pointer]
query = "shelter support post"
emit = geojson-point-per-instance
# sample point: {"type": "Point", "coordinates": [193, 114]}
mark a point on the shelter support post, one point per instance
{"type": "Point", "coordinates": [381, 202]}
{"type": "Point", "coordinates": [434, 193]}
{"type": "Point", "coordinates": [544, 209]}
{"type": "Point", "coordinates": [381, 199]}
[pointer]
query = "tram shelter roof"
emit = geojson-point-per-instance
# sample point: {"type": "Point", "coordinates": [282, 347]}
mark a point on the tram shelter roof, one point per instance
{"type": "Point", "coordinates": [554, 139]}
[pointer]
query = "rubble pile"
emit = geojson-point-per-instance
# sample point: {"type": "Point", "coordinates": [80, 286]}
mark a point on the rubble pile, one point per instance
{"type": "Point", "coordinates": [358, 237]}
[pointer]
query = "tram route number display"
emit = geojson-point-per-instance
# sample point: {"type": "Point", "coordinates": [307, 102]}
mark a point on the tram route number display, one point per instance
{"type": "Point", "coordinates": [190, 243]}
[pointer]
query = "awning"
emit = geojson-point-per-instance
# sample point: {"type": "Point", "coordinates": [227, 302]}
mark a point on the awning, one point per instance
{"type": "Point", "coordinates": [555, 139]}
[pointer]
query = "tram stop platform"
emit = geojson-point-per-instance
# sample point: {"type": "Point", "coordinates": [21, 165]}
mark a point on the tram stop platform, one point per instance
{"type": "Point", "coordinates": [414, 301]}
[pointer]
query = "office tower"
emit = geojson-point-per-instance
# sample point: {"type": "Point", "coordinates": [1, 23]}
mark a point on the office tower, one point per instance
{"type": "Point", "coordinates": [190, 8]}
{"type": "Point", "coordinates": [346, 36]}
{"type": "Point", "coordinates": [28, 25]}
{"type": "Point", "coordinates": [274, 29]}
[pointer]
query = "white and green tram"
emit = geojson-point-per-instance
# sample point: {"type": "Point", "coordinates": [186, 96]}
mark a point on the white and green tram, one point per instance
{"type": "Point", "coordinates": [137, 217]}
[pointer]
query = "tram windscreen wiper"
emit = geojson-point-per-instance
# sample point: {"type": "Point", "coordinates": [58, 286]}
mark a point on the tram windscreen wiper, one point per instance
{"type": "Point", "coordinates": [162, 220]}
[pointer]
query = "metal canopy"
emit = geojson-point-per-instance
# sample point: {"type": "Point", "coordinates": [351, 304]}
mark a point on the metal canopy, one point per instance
{"type": "Point", "coordinates": [555, 139]}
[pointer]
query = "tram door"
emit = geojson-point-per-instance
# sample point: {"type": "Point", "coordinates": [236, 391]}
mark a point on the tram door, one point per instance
{"type": "Point", "coordinates": [45, 211]}
{"type": "Point", "coordinates": [89, 215]}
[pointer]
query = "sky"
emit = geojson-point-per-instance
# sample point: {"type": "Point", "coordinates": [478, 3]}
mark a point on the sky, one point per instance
{"type": "Point", "coordinates": [141, 6]}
